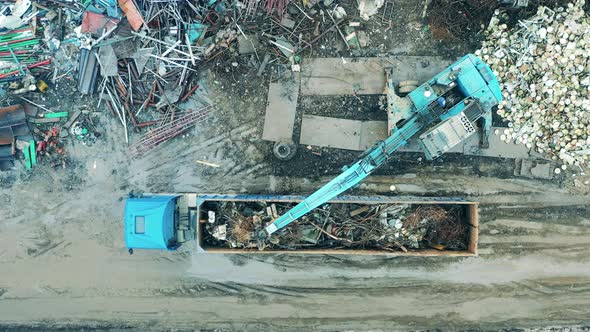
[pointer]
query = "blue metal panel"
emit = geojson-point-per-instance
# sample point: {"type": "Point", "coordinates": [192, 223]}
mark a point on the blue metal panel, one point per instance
{"type": "Point", "coordinates": [470, 81]}
{"type": "Point", "coordinates": [158, 217]}
{"type": "Point", "coordinates": [492, 83]}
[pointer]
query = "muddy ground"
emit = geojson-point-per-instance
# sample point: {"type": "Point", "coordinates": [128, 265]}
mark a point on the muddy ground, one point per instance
{"type": "Point", "coordinates": [64, 265]}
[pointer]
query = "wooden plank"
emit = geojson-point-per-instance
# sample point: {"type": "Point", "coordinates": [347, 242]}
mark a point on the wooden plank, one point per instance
{"type": "Point", "coordinates": [281, 108]}
{"type": "Point", "coordinates": [473, 211]}
{"type": "Point", "coordinates": [341, 133]}
{"type": "Point", "coordinates": [44, 120]}
{"type": "Point", "coordinates": [365, 76]}
{"type": "Point", "coordinates": [72, 119]}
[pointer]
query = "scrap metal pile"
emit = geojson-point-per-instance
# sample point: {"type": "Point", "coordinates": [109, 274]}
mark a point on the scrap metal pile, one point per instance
{"type": "Point", "coordinates": [147, 64]}
{"type": "Point", "coordinates": [459, 19]}
{"type": "Point", "coordinates": [543, 65]}
{"type": "Point", "coordinates": [389, 227]}
{"type": "Point", "coordinates": [144, 57]}
{"type": "Point", "coordinates": [24, 54]}
{"type": "Point", "coordinates": [45, 142]}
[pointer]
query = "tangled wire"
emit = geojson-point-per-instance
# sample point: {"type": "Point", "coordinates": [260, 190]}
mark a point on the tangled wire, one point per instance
{"type": "Point", "coordinates": [446, 227]}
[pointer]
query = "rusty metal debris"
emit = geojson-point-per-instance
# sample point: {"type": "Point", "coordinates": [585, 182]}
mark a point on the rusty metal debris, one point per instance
{"type": "Point", "coordinates": [143, 58]}
{"type": "Point", "coordinates": [169, 129]}
{"type": "Point", "coordinates": [150, 59]}
{"type": "Point", "coordinates": [389, 227]}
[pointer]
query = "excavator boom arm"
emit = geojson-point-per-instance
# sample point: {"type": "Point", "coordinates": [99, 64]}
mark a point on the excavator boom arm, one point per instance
{"type": "Point", "coordinates": [464, 92]}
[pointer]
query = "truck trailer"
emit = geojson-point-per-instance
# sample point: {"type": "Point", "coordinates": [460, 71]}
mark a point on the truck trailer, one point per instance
{"type": "Point", "coordinates": [168, 221]}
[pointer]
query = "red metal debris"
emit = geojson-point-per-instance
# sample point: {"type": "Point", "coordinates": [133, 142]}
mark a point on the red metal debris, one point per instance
{"type": "Point", "coordinates": [97, 23]}
{"type": "Point", "coordinates": [41, 146]}
{"type": "Point", "coordinates": [189, 93]}
{"type": "Point", "coordinates": [133, 15]}
{"type": "Point", "coordinates": [38, 64]}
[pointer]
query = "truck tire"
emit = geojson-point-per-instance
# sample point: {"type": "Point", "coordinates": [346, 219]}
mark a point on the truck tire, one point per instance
{"type": "Point", "coordinates": [284, 151]}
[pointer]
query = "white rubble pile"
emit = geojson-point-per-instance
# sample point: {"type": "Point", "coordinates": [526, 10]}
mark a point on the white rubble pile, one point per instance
{"type": "Point", "coordinates": [543, 66]}
{"type": "Point", "coordinates": [368, 8]}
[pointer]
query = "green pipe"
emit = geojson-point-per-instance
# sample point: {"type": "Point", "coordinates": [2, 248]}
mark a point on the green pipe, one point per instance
{"type": "Point", "coordinates": [20, 44]}
{"type": "Point", "coordinates": [20, 67]}
{"type": "Point", "coordinates": [17, 46]}
{"type": "Point", "coordinates": [24, 34]}
{"type": "Point", "coordinates": [33, 152]}
{"type": "Point", "coordinates": [56, 115]}
{"type": "Point", "coordinates": [27, 153]}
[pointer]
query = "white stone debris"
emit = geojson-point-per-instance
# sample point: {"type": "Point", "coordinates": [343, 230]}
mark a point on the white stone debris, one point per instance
{"type": "Point", "coordinates": [543, 65]}
{"type": "Point", "coordinates": [368, 8]}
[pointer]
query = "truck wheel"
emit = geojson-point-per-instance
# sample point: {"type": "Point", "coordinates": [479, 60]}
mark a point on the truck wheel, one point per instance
{"type": "Point", "coordinates": [284, 151]}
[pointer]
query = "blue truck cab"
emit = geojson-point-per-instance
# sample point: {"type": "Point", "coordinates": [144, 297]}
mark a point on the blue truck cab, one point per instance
{"type": "Point", "coordinates": [158, 221]}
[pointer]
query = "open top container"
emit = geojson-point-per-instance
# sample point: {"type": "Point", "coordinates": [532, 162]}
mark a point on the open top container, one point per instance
{"type": "Point", "coordinates": [471, 216]}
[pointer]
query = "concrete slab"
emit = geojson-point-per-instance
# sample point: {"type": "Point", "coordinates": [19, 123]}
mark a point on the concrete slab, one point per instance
{"type": "Point", "coordinates": [542, 170]}
{"type": "Point", "coordinates": [330, 132]}
{"type": "Point", "coordinates": [365, 76]}
{"type": "Point", "coordinates": [534, 169]}
{"type": "Point", "coordinates": [498, 148]}
{"type": "Point", "coordinates": [371, 132]}
{"type": "Point", "coordinates": [341, 133]}
{"type": "Point", "coordinates": [281, 108]}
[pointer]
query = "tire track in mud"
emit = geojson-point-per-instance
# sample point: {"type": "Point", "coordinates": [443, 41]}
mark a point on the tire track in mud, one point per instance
{"type": "Point", "coordinates": [471, 291]}
{"type": "Point", "coordinates": [465, 298]}
{"type": "Point", "coordinates": [179, 150]}
{"type": "Point", "coordinates": [420, 306]}
{"type": "Point", "coordinates": [176, 169]}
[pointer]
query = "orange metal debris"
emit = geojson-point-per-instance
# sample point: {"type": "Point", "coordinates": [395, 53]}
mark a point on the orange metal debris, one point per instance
{"type": "Point", "coordinates": [133, 15]}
